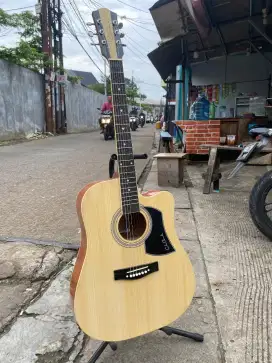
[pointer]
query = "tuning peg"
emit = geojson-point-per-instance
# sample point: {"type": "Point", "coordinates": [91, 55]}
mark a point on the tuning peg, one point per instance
{"type": "Point", "coordinates": [120, 25]}
{"type": "Point", "coordinates": [122, 35]}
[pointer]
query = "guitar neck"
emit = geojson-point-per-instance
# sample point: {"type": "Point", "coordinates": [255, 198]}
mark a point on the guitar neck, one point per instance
{"type": "Point", "coordinates": [128, 181]}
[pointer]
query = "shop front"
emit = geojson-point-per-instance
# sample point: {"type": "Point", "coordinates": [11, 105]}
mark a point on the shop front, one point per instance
{"type": "Point", "coordinates": [222, 59]}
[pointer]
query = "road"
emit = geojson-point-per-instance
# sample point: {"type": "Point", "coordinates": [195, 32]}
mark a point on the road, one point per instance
{"type": "Point", "coordinates": [40, 181]}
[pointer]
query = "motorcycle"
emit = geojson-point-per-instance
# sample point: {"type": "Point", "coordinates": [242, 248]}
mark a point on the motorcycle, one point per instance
{"type": "Point", "coordinates": [133, 120]}
{"type": "Point", "coordinates": [142, 120]}
{"type": "Point", "coordinates": [107, 125]}
{"type": "Point", "coordinates": [259, 207]}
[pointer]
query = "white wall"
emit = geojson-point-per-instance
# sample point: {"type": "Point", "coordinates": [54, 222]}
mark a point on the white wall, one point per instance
{"type": "Point", "coordinates": [81, 108]}
{"type": "Point", "coordinates": [239, 68]}
{"type": "Point", "coordinates": [21, 101]}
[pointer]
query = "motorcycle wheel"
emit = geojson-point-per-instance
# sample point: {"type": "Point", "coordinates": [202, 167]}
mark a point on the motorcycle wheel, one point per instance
{"type": "Point", "coordinates": [258, 205]}
{"type": "Point", "coordinates": [106, 135]}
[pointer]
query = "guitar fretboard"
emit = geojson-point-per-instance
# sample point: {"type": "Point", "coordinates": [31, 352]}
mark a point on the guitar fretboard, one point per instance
{"type": "Point", "coordinates": [128, 181]}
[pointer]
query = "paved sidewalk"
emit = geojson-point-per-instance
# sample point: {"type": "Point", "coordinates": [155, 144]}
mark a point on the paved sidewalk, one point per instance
{"type": "Point", "coordinates": [238, 259]}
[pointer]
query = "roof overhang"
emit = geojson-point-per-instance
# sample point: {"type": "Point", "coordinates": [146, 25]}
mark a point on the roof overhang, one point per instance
{"type": "Point", "coordinates": [210, 28]}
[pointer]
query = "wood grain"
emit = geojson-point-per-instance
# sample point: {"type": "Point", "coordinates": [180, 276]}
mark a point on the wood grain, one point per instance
{"type": "Point", "coordinates": [111, 310]}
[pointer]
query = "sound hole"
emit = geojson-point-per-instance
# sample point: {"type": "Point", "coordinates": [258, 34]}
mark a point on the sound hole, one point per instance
{"type": "Point", "coordinates": [132, 226]}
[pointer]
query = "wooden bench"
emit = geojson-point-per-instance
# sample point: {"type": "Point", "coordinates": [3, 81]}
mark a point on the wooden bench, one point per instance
{"type": "Point", "coordinates": [170, 169]}
{"type": "Point", "coordinates": [213, 174]}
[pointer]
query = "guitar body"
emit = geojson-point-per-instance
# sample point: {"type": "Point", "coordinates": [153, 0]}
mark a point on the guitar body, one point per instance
{"type": "Point", "coordinates": [126, 288]}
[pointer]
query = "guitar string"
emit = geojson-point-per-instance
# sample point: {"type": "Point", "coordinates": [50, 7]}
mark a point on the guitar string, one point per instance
{"type": "Point", "coordinates": [129, 153]}
{"type": "Point", "coordinates": [126, 137]}
{"type": "Point", "coordinates": [122, 138]}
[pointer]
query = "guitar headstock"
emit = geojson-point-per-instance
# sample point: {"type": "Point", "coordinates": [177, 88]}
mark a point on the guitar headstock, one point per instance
{"type": "Point", "coordinates": [107, 29]}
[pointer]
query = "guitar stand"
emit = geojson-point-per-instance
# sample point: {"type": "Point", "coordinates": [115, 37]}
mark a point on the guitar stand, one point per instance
{"type": "Point", "coordinates": [167, 330]}
{"type": "Point", "coordinates": [113, 158]}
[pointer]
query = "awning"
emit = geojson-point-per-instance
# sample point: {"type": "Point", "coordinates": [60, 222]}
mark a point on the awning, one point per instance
{"type": "Point", "coordinates": [167, 56]}
{"type": "Point", "coordinates": [171, 17]}
{"type": "Point", "coordinates": [211, 28]}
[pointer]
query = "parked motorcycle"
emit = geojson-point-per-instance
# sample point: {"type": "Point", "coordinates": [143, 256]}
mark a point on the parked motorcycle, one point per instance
{"type": "Point", "coordinates": [259, 206]}
{"type": "Point", "coordinates": [133, 120]}
{"type": "Point", "coordinates": [107, 125]}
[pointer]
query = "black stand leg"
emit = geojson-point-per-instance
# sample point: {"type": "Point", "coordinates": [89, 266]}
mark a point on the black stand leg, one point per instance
{"type": "Point", "coordinates": [167, 330]}
{"type": "Point", "coordinates": [101, 349]}
{"type": "Point", "coordinates": [195, 336]}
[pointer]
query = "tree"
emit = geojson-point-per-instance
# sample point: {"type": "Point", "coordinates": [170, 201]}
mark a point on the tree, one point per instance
{"type": "Point", "coordinates": [100, 87]}
{"type": "Point", "coordinates": [132, 90]}
{"type": "Point", "coordinates": [147, 108]}
{"type": "Point", "coordinates": [28, 50]}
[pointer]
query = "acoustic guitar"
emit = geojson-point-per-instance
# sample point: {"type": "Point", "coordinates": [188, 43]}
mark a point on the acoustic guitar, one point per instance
{"type": "Point", "coordinates": [132, 276]}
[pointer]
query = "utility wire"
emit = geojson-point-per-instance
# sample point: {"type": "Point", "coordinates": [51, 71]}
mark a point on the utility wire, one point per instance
{"type": "Point", "coordinates": [138, 44]}
{"type": "Point", "coordinates": [133, 7]}
{"type": "Point", "coordinates": [25, 7]}
{"type": "Point", "coordinates": [82, 46]}
{"type": "Point", "coordinates": [137, 55]}
{"type": "Point", "coordinates": [131, 42]}
{"type": "Point", "coordinates": [82, 22]}
{"type": "Point", "coordinates": [140, 26]}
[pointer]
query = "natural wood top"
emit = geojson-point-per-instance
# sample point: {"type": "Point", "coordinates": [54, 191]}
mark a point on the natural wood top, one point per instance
{"type": "Point", "coordinates": [223, 147]}
{"type": "Point", "coordinates": [170, 155]}
{"type": "Point", "coordinates": [238, 148]}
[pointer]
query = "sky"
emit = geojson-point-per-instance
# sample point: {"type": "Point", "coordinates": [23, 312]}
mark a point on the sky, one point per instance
{"type": "Point", "coordinates": [141, 37]}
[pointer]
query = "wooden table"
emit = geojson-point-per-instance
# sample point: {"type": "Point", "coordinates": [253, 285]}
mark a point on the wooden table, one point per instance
{"type": "Point", "coordinates": [213, 174]}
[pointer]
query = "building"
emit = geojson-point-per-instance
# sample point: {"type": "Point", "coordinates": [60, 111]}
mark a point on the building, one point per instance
{"type": "Point", "coordinates": [87, 77]}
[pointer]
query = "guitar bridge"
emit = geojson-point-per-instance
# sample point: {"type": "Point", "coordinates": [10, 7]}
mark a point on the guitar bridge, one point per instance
{"type": "Point", "coordinates": [136, 272]}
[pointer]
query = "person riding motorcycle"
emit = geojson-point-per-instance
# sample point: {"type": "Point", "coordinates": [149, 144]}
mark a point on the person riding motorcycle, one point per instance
{"type": "Point", "coordinates": [107, 106]}
{"type": "Point", "coordinates": [134, 111]}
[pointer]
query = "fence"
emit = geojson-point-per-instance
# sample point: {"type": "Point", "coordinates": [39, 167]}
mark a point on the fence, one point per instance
{"type": "Point", "coordinates": [81, 108]}
{"type": "Point", "coordinates": [21, 101]}
{"type": "Point", "coordinates": [22, 104]}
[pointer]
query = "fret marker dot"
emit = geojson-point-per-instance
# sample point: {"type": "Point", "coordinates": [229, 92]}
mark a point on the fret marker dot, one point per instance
{"type": "Point", "coordinates": [129, 190]}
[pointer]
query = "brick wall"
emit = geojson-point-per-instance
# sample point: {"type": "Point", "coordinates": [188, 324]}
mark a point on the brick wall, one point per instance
{"type": "Point", "coordinates": [200, 132]}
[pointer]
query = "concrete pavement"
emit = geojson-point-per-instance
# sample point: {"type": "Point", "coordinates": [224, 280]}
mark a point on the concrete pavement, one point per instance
{"type": "Point", "coordinates": [49, 333]}
{"type": "Point", "coordinates": [231, 306]}
{"type": "Point", "coordinates": [40, 181]}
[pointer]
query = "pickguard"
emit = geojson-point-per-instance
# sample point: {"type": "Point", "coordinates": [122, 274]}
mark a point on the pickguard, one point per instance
{"type": "Point", "coordinates": [157, 243]}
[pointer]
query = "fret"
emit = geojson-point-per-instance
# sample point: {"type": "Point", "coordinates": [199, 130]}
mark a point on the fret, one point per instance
{"type": "Point", "coordinates": [126, 166]}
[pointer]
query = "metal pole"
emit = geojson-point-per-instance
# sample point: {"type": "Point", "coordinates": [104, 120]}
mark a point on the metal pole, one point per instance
{"type": "Point", "coordinates": [45, 49]}
{"type": "Point", "coordinates": [56, 63]}
{"type": "Point", "coordinates": [105, 76]}
{"type": "Point", "coordinates": [51, 66]}
{"type": "Point", "coordinates": [62, 93]}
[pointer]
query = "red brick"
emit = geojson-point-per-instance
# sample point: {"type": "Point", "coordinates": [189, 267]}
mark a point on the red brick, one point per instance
{"type": "Point", "coordinates": [187, 123]}
{"type": "Point", "coordinates": [213, 139]}
{"type": "Point", "coordinates": [202, 151]}
{"type": "Point", "coordinates": [198, 134]}
{"type": "Point", "coordinates": [214, 127]}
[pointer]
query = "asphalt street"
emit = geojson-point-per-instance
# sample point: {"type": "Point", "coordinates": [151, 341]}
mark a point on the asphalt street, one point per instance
{"type": "Point", "coordinates": [41, 179]}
